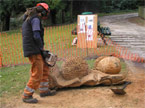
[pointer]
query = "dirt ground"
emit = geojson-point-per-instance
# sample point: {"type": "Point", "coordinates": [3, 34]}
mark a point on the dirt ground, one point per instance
{"type": "Point", "coordinates": [92, 97]}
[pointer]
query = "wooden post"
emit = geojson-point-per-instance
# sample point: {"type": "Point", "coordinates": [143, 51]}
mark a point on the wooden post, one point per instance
{"type": "Point", "coordinates": [0, 60]}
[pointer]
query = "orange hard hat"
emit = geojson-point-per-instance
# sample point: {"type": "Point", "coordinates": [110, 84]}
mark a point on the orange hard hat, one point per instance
{"type": "Point", "coordinates": [44, 5]}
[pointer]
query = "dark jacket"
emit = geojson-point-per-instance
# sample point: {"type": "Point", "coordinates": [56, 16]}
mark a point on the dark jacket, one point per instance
{"type": "Point", "coordinates": [30, 46]}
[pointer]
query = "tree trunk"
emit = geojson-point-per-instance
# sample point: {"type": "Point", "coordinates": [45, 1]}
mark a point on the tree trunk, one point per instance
{"type": "Point", "coordinates": [63, 17]}
{"type": "Point", "coordinates": [6, 22]}
{"type": "Point", "coordinates": [53, 17]}
{"type": "Point", "coordinates": [71, 9]}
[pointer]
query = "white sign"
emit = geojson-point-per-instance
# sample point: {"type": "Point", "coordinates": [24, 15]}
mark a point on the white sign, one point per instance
{"type": "Point", "coordinates": [82, 24]}
{"type": "Point", "coordinates": [90, 28]}
{"type": "Point", "coordinates": [89, 33]}
{"type": "Point", "coordinates": [91, 19]}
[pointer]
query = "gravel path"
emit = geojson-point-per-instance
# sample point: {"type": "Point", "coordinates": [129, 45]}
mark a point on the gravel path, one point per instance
{"type": "Point", "coordinates": [126, 34]}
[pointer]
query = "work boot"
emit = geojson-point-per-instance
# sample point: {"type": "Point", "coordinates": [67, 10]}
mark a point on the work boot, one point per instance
{"type": "Point", "coordinates": [48, 93]}
{"type": "Point", "coordinates": [30, 99]}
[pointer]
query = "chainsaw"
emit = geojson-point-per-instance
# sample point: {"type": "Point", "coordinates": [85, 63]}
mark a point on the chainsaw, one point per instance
{"type": "Point", "coordinates": [49, 58]}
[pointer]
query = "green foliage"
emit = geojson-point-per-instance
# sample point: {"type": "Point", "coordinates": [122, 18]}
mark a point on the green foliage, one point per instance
{"type": "Point", "coordinates": [125, 4]}
{"type": "Point", "coordinates": [66, 11]}
{"type": "Point", "coordinates": [54, 4]}
{"type": "Point", "coordinates": [116, 5]}
{"type": "Point", "coordinates": [141, 2]}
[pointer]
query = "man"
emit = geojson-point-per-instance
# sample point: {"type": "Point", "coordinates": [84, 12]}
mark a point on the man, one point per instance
{"type": "Point", "coordinates": [33, 43]}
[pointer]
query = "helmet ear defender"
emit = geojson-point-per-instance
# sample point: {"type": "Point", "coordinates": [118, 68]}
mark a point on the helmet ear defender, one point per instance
{"type": "Point", "coordinates": [44, 13]}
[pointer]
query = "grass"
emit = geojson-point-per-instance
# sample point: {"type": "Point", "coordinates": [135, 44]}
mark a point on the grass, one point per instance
{"type": "Point", "coordinates": [14, 79]}
{"type": "Point", "coordinates": [57, 39]}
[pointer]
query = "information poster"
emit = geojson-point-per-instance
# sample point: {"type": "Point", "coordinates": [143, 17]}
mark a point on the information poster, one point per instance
{"type": "Point", "coordinates": [87, 31]}
{"type": "Point", "coordinates": [90, 28]}
{"type": "Point", "coordinates": [82, 24]}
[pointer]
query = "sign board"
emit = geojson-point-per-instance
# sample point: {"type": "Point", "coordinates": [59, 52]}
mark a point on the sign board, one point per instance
{"type": "Point", "coordinates": [87, 31]}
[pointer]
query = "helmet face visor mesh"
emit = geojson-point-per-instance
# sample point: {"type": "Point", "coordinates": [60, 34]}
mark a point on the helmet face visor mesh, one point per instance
{"type": "Point", "coordinates": [46, 10]}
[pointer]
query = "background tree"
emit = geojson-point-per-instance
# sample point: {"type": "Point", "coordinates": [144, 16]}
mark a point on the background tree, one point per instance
{"type": "Point", "coordinates": [9, 8]}
{"type": "Point", "coordinates": [62, 11]}
{"type": "Point", "coordinates": [6, 9]}
{"type": "Point", "coordinates": [14, 7]}
{"type": "Point", "coordinates": [141, 2]}
{"type": "Point", "coordinates": [54, 5]}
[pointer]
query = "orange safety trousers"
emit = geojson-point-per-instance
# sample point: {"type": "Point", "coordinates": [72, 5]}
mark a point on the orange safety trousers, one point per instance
{"type": "Point", "coordinates": [39, 76]}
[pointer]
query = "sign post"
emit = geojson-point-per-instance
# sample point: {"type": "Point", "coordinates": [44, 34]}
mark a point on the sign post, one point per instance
{"type": "Point", "coordinates": [87, 31]}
